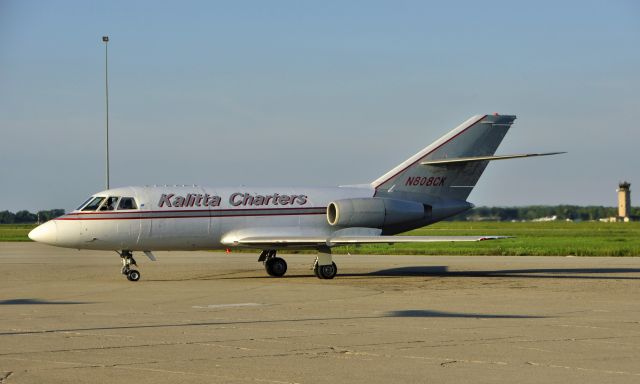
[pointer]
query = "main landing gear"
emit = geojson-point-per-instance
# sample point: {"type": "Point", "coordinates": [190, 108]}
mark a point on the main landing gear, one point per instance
{"type": "Point", "coordinates": [275, 266]}
{"type": "Point", "coordinates": [127, 262]}
{"type": "Point", "coordinates": [324, 267]}
{"type": "Point", "coordinates": [325, 271]}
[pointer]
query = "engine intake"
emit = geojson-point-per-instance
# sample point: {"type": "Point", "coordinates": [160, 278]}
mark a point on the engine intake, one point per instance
{"type": "Point", "coordinates": [374, 212]}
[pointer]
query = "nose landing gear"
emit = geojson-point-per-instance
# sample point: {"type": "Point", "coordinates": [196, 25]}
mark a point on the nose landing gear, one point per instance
{"type": "Point", "coordinates": [127, 262]}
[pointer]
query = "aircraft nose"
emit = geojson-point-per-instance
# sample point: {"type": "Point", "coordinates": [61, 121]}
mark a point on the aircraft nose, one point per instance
{"type": "Point", "coordinates": [46, 233]}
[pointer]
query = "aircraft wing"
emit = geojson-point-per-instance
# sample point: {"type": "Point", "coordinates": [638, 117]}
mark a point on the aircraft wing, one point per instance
{"type": "Point", "coordinates": [344, 240]}
{"type": "Point", "coordinates": [309, 241]}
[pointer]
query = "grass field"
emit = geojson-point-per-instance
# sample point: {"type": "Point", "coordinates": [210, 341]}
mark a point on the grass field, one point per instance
{"type": "Point", "coordinates": [15, 232]}
{"type": "Point", "coordinates": [531, 239]}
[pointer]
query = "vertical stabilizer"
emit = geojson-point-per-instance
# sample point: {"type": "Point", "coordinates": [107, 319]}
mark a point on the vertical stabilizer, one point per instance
{"type": "Point", "coordinates": [478, 136]}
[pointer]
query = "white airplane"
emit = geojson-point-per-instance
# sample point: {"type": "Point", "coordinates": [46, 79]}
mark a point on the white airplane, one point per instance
{"type": "Point", "coordinates": [428, 187]}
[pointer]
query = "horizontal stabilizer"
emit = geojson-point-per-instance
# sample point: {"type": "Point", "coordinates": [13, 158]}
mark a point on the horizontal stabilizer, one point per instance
{"type": "Point", "coordinates": [268, 241]}
{"type": "Point", "coordinates": [459, 160]}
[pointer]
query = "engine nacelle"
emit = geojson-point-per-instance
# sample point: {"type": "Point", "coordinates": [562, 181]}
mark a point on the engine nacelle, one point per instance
{"type": "Point", "coordinates": [374, 212]}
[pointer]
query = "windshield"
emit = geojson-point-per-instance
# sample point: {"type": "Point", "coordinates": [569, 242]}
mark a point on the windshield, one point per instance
{"type": "Point", "coordinates": [83, 204]}
{"type": "Point", "coordinates": [93, 204]}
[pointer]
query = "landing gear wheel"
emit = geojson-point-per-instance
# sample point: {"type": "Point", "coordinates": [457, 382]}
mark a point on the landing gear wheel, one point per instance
{"type": "Point", "coordinates": [275, 266]}
{"type": "Point", "coordinates": [315, 270]}
{"type": "Point", "coordinates": [127, 262]}
{"type": "Point", "coordinates": [326, 272]}
{"type": "Point", "coordinates": [133, 275]}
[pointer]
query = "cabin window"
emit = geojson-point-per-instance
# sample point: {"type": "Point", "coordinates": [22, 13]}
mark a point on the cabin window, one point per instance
{"type": "Point", "coordinates": [93, 204]}
{"type": "Point", "coordinates": [127, 203]}
{"type": "Point", "coordinates": [110, 203]}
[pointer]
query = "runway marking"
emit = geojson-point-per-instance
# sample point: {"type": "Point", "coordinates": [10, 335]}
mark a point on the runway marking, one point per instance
{"type": "Point", "coordinates": [580, 326]}
{"type": "Point", "coordinates": [535, 349]}
{"type": "Point", "coordinates": [582, 369]}
{"type": "Point", "coordinates": [235, 305]}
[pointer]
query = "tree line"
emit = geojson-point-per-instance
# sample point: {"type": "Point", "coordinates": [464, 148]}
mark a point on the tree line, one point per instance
{"type": "Point", "coordinates": [26, 217]}
{"type": "Point", "coordinates": [532, 212]}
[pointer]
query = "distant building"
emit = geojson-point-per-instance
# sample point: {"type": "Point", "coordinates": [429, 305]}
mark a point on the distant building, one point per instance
{"type": "Point", "coordinates": [624, 205]}
{"type": "Point", "coordinates": [548, 218]}
{"type": "Point", "coordinates": [624, 201]}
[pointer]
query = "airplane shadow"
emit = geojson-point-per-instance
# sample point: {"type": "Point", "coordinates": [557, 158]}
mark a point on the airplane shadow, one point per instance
{"type": "Point", "coordinates": [38, 302]}
{"type": "Point", "coordinates": [543, 273]}
{"type": "Point", "coordinates": [428, 313]}
{"type": "Point", "coordinates": [443, 271]}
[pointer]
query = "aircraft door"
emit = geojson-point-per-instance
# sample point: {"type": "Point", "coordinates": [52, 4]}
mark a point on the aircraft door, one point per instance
{"type": "Point", "coordinates": [142, 225]}
{"type": "Point", "coordinates": [128, 223]}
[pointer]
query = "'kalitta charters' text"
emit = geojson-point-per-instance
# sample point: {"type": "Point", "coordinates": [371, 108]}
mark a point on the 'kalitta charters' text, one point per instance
{"type": "Point", "coordinates": [236, 199]}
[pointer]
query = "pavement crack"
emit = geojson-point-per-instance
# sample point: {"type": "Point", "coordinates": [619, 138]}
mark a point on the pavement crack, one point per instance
{"type": "Point", "coordinates": [5, 376]}
{"type": "Point", "coordinates": [339, 350]}
{"type": "Point", "coordinates": [446, 363]}
{"type": "Point", "coordinates": [114, 365]}
{"type": "Point", "coordinates": [85, 349]}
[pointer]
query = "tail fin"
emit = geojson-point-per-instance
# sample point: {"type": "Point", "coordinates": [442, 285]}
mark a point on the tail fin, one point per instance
{"type": "Point", "coordinates": [470, 145]}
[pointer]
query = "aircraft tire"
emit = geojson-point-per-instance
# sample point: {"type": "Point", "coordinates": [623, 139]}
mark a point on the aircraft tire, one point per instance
{"type": "Point", "coordinates": [276, 266]}
{"type": "Point", "coordinates": [133, 275]}
{"type": "Point", "coordinates": [326, 272]}
{"type": "Point", "coordinates": [315, 271]}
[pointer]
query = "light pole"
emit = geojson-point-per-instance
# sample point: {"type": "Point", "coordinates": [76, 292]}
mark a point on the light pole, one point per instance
{"type": "Point", "coordinates": [105, 39]}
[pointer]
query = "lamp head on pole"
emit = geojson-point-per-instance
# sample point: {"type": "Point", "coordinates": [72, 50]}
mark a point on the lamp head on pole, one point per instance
{"type": "Point", "coordinates": [105, 38]}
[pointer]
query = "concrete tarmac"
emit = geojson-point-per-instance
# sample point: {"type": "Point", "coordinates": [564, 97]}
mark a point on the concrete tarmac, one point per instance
{"type": "Point", "coordinates": [68, 316]}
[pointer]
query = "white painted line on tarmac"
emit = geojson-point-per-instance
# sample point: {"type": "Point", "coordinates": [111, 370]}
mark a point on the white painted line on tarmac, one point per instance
{"type": "Point", "coordinates": [234, 305]}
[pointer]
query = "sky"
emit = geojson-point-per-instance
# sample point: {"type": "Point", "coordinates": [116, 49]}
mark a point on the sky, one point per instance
{"type": "Point", "coordinates": [325, 93]}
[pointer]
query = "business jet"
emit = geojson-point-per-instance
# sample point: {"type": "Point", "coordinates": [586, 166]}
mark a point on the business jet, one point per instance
{"type": "Point", "coordinates": [428, 187]}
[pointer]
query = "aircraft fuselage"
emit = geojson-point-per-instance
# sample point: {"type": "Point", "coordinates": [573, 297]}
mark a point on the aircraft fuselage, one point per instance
{"type": "Point", "coordinates": [194, 217]}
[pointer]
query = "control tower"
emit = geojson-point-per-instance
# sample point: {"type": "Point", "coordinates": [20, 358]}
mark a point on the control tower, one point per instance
{"type": "Point", "coordinates": [624, 201]}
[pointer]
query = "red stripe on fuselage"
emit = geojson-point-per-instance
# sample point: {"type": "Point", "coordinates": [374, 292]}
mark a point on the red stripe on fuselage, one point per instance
{"type": "Point", "coordinates": [145, 215]}
{"type": "Point", "coordinates": [133, 211]}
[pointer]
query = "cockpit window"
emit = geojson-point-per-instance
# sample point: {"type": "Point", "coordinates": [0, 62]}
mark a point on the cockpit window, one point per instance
{"type": "Point", "coordinates": [85, 203]}
{"type": "Point", "coordinates": [93, 205]}
{"type": "Point", "coordinates": [127, 203]}
{"type": "Point", "coordinates": [109, 204]}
